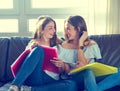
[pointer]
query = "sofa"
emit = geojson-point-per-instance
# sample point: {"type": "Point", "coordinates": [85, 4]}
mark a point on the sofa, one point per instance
{"type": "Point", "coordinates": [12, 47]}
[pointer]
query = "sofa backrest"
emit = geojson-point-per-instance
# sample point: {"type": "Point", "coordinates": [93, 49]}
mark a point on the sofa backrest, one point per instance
{"type": "Point", "coordinates": [16, 46]}
{"type": "Point", "coordinates": [110, 48]}
{"type": "Point", "coordinates": [3, 57]}
{"type": "Point", "coordinates": [10, 49]}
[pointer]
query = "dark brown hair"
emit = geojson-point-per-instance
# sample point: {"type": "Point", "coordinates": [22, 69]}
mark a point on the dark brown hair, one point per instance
{"type": "Point", "coordinates": [78, 22]}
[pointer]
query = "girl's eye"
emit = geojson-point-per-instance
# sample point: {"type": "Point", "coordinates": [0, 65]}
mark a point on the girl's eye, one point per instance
{"type": "Point", "coordinates": [67, 29]}
{"type": "Point", "coordinates": [51, 28]}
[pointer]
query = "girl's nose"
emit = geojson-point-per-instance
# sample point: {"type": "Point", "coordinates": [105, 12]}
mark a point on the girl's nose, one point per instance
{"type": "Point", "coordinates": [67, 30]}
{"type": "Point", "coordinates": [54, 30]}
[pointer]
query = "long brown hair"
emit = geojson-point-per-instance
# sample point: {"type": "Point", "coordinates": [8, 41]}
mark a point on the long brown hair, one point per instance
{"type": "Point", "coordinates": [40, 25]}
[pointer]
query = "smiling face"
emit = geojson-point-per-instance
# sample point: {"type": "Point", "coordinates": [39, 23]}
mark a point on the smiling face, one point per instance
{"type": "Point", "coordinates": [70, 32]}
{"type": "Point", "coordinates": [49, 30]}
{"type": "Point", "coordinates": [74, 27]}
{"type": "Point", "coordinates": [46, 30]}
{"type": "Point", "coordinates": [45, 27]}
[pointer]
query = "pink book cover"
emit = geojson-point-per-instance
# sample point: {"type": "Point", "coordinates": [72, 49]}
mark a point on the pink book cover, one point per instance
{"type": "Point", "coordinates": [49, 53]}
{"type": "Point", "coordinates": [18, 62]}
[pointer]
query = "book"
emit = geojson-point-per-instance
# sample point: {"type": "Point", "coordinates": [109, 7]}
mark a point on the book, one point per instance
{"type": "Point", "coordinates": [19, 61]}
{"type": "Point", "coordinates": [99, 69]}
{"type": "Point", "coordinates": [49, 53]}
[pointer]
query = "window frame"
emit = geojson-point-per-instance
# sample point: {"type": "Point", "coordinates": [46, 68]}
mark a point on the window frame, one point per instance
{"type": "Point", "coordinates": [23, 11]}
{"type": "Point", "coordinates": [13, 11]}
{"type": "Point", "coordinates": [55, 11]}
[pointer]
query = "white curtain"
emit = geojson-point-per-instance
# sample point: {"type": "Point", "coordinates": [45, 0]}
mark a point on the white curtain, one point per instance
{"type": "Point", "coordinates": [104, 17]}
{"type": "Point", "coordinates": [113, 17]}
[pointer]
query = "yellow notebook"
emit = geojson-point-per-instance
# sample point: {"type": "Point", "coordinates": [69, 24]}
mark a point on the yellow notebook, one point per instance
{"type": "Point", "coordinates": [99, 69]}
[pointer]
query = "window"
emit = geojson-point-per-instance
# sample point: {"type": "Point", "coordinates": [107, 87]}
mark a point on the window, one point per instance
{"type": "Point", "coordinates": [9, 22]}
{"type": "Point", "coordinates": [57, 10]}
{"type": "Point", "coordinates": [56, 3]}
{"type": "Point", "coordinates": [8, 25]}
{"type": "Point", "coordinates": [6, 4]}
{"type": "Point", "coordinates": [56, 7]}
{"type": "Point", "coordinates": [32, 25]}
{"type": "Point", "coordinates": [20, 15]}
{"type": "Point", "coordinates": [9, 7]}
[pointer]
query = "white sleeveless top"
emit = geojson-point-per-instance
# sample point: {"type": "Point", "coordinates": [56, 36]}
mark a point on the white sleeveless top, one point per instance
{"type": "Point", "coordinates": [70, 56]}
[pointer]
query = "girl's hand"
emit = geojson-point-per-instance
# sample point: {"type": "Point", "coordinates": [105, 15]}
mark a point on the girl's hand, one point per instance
{"type": "Point", "coordinates": [83, 38]}
{"type": "Point", "coordinates": [57, 62]}
{"type": "Point", "coordinates": [80, 64]}
{"type": "Point", "coordinates": [32, 44]}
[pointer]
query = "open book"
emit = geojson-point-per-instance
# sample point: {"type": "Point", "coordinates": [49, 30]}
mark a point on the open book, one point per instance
{"type": "Point", "coordinates": [99, 69]}
{"type": "Point", "coordinates": [49, 53]}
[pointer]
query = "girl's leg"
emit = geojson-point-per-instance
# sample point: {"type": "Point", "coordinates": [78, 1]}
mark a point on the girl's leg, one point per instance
{"type": "Point", "coordinates": [89, 80]}
{"type": "Point", "coordinates": [60, 85]}
{"type": "Point", "coordinates": [85, 80]}
{"type": "Point", "coordinates": [78, 78]}
{"type": "Point", "coordinates": [32, 61]}
{"type": "Point", "coordinates": [110, 81]}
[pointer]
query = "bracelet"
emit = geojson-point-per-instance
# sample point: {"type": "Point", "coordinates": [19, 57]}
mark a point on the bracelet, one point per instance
{"type": "Point", "coordinates": [81, 47]}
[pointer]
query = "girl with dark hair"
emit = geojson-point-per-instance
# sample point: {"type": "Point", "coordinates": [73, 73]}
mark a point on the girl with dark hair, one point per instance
{"type": "Point", "coordinates": [77, 51]}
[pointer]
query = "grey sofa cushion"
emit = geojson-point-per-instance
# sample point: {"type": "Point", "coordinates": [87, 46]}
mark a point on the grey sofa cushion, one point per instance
{"type": "Point", "coordinates": [16, 47]}
{"type": "Point", "coordinates": [110, 48]}
{"type": "Point", "coordinates": [3, 57]}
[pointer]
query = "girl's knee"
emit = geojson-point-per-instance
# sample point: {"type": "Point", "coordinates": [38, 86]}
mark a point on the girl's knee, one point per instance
{"type": "Point", "coordinates": [88, 71]}
{"type": "Point", "coordinates": [38, 50]}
